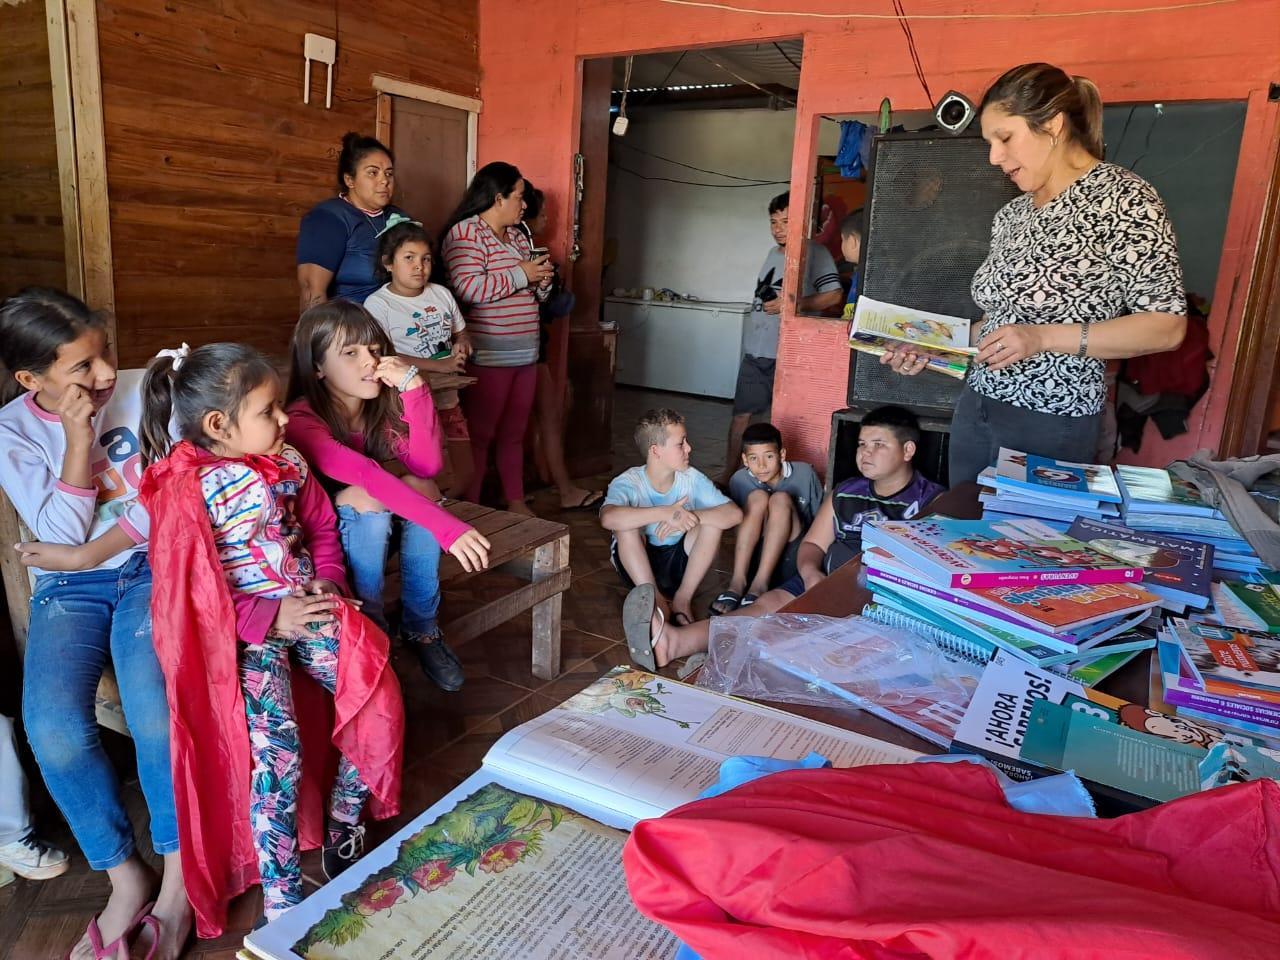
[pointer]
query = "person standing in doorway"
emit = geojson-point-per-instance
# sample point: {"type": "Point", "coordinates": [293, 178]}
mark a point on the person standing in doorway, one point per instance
{"type": "Point", "coordinates": [495, 274]}
{"type": "Point", "coordinates": [820, 289]}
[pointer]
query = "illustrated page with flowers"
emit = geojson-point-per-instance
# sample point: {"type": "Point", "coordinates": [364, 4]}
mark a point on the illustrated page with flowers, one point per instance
{"type": "Point", "coordinates": [524, 859]}
{"type": "Point", "coordinates": [502, 874]}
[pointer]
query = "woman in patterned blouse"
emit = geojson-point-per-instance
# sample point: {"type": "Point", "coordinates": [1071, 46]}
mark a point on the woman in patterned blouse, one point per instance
{"type": "Point", "coordinates": [1083, 268]}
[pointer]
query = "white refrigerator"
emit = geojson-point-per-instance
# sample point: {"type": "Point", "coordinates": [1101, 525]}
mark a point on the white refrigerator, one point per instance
{"type": "Point", "coordinates": [686, 346]}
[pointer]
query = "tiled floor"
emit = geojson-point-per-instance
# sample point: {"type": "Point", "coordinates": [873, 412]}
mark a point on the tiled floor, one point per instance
{"type": "Point", "coordinates": [449, 733]}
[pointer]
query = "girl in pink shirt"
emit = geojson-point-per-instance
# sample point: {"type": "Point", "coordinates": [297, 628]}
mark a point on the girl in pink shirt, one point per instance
{"type": "Point", "coordinates": [354, 405]}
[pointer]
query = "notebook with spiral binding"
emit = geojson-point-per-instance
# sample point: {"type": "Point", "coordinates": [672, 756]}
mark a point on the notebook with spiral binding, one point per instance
{"type": "Point", "coordinates": [948, 641]}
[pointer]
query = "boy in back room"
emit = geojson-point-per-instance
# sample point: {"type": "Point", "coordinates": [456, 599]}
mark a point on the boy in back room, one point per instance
{"type": "Point", "coordinates": [820, 290]}
{"type": "Point", "coordinates": [666, 517]}
{"type": "Point", "coordinates": [778, 498]}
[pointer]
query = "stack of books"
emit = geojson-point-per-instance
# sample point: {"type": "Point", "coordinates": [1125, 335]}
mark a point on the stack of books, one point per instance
{"type": "Point", "coordinates": [1230, 678]}
{"type": "Point", "coordinates": [1016, 585]}
{"type": "Point", "coordinates": [1055, 491]}
{"type": "Point", "coordinates": [1248, 601]}
{"type": "Point", "coordinates": [1156, 501]}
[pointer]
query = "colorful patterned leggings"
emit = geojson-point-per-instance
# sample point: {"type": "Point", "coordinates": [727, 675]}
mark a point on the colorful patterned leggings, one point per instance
{"type": "Point", "coordinates": [276, 753]}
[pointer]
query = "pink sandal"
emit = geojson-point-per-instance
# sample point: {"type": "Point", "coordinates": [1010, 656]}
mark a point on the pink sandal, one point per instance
{"type": "Point", "coordinates": [112, 950]}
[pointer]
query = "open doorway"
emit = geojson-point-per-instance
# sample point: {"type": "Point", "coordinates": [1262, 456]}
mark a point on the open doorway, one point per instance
{"type": "Point", "coordinates": [708, 143]}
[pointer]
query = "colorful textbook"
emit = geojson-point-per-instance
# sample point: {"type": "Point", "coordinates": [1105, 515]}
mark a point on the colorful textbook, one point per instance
{"type": "Point", "coordinates": [942, 341]}
{"type": "Point", "coordinates": [1055, 480]}
{"type": "Point", "coordinates": [1060, 609]}
{"type": "Point", "coordinates": [997, 721]}
{"type": "Point", "coordinates": [1180, 571]}
{"type": "Point", "coordinates": [973, 554]}
{"type": "Point", "coordinates": [1220, 657]}
{"type": "Point", "coordinates": [1142, 765]}
{"type": "Point", "coordinates": [524, 858]}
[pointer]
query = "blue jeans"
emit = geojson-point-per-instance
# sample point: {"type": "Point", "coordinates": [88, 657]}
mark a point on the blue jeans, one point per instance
{"type": "Point", "coordinates": [366, 541]}
{"type": "Point", "coordinates": [79, 622]}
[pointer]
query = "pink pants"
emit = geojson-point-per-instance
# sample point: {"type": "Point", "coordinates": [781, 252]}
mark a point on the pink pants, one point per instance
{"type": "Point", "coordinates": [497, 415]}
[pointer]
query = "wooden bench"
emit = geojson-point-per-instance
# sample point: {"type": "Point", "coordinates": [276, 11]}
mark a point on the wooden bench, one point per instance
{"type": "Point", "coordinates": [531, 549]}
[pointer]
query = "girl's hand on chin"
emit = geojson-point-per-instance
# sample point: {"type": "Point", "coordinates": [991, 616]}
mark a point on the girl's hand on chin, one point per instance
{"type": "Point", "coordinates": [394, 372]}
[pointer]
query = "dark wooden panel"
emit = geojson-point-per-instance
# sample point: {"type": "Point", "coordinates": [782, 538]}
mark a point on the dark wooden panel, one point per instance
{"type": "Point", "coordinates": [588, 431]}
{"type": "Point", "coordinates": [212, 157]}
{"type": "Point", "coordinates": [31, 240]}
{"type": "Point", "coordinates": [430, 143]}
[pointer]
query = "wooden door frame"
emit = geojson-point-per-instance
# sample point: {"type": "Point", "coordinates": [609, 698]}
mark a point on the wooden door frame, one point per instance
{"type": "Point", "coordinates": [1258, 355]}
{"type": "Point", "coordinates": [388, 87]}
{"type": "Point", "coordinates": [75, 73]}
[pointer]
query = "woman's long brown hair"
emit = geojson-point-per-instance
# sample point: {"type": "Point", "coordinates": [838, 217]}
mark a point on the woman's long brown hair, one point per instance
{"type": "Point", "coordinates": [332, 326]}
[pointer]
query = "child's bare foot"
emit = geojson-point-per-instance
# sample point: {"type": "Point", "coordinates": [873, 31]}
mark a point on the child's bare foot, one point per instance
{"type": "Point", "coordinates": [519, 506]}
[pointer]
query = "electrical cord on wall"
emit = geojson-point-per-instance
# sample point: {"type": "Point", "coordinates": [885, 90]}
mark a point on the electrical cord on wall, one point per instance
{"type": "Point", "coordinates": [697, 183]}
{"type": "Point", "coordinates": [689, 166]}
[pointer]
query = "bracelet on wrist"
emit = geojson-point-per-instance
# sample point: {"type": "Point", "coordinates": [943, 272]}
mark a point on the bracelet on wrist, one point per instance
{"type": "Point", "coordinates": [410, 375]}
{"type": "Point", "coordinates": [1084, 340]}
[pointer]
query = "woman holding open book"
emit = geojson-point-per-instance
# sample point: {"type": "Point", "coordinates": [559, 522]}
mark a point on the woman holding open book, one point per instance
{"type": "Point", "coordinates": [1083, 268]}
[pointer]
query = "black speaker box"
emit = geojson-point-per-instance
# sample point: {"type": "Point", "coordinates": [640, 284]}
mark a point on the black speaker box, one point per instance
{"type": "Point", "coordinates": [931, 198]}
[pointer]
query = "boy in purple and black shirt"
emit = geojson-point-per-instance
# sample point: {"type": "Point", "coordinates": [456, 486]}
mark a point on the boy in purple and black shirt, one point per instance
{"type": "Point", "coordinates": [889, 488]}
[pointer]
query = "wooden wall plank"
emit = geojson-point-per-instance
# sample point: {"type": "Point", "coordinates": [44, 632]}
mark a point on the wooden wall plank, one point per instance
{"type": "Point", "coordinates": [212, 157]}
{"type": "Point", "coordinates": [31, 239]}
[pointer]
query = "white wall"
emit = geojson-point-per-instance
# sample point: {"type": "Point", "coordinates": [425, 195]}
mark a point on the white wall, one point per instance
{"type": "Point", "coordinates": [707, 241]}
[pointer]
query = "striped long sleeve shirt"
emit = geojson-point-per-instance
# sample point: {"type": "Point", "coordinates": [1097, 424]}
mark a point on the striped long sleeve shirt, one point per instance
{"type": "Point", "coordinates": [486, 276]}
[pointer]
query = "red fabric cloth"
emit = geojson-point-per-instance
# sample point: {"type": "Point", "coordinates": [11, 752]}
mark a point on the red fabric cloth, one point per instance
{"type": "Point", "coordinates": [195, 637]}
{"type": "Point", "coordinates": [928, 860]}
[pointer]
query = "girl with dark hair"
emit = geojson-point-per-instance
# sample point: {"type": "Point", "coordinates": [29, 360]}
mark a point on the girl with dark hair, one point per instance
{"type": "Point", "coordinates": [338, 237]}
{"type": "Point", "coordinates": [492, 270]}
{"type": "Point", "coordinates": [548, 410]}
{"type": "Point", "coordinates": [71, 465]}
{"type": "Point", "coordinates": [354, 404]}
{"type": "Point", "coordinates": [249, 578]}
{"type": "Point", "coordinates": [426, 328]}
{"type": "Point", "coordinates": [1083, 268]}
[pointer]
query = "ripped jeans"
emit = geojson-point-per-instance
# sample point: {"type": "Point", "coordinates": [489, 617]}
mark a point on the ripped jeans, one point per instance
{"type": "Point", "coordinates": [80, 622]}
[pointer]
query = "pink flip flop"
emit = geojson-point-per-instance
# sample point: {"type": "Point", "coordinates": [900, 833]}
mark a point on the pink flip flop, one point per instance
{"type": "Point", "coordinates": [112, 950]}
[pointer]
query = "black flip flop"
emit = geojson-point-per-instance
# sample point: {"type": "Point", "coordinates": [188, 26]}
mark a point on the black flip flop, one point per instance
{"type": "Point", "coordinates": [637, 625]}
{"type": "Point", "coordinates": [591, 501]}
{"type": "Point", "coordinates": [728, 601]}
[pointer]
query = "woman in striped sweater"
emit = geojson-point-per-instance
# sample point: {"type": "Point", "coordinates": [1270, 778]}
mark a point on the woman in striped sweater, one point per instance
{"type": "Point", "coordinates": [492, 271]}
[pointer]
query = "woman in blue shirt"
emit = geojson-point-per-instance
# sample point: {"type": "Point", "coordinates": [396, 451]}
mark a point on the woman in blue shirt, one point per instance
{"type": "Point", "coordinates": [338, 238]}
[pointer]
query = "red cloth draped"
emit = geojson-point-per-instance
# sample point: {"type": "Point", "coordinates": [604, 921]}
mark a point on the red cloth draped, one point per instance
{"type": "Point", "coordinates": [194, 626]}
{"type": "Point", "coordinates": [928, 860]}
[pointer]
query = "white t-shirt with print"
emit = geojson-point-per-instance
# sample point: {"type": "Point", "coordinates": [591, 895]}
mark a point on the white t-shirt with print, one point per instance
{"type": "Point", "coordinates": [421, 326]}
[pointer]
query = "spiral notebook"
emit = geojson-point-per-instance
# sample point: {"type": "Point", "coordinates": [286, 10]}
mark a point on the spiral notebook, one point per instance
{"type": "Point", "coordinates": [952, 644]}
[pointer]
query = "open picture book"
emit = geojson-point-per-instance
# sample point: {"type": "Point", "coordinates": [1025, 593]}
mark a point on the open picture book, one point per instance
{"type": "Point", "coordinates": [941, 340]}
{"type": "Point", "coordinates": [524, 858]}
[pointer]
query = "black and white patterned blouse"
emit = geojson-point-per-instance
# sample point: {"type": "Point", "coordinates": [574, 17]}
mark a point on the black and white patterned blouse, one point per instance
{"type": "Point", "coordinates": [1103, 248]}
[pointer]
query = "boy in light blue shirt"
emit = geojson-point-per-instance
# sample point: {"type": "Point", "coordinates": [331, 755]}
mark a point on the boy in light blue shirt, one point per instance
{"type": "Point", "coordinates": [666, 517]}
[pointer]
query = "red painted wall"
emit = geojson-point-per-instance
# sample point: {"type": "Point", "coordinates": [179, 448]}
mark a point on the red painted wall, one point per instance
{"type": "Point", "coordinates": [530, 52]}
